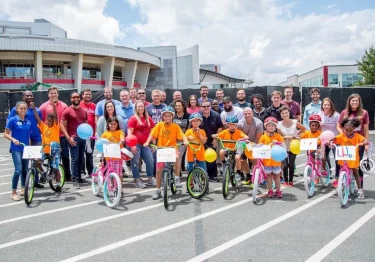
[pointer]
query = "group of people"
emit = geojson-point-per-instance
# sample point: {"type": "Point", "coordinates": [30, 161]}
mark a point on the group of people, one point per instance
{"type": "Point", "coordinates": [198, 119]}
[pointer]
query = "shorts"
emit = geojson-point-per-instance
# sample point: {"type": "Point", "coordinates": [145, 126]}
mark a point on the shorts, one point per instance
{"type": "Point", "coordinates": [115, 165]}
{"type": "Point", "coordinates": [201, 164]}
{"type": "Point", "coordinates": [160, 166]}
{"type": "Point", "coordinates": [272, 169]}
{"type": "Point", "coordinates": [55, 155]}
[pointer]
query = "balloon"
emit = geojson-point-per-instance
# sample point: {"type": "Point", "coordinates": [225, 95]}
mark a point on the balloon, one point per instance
{"type": "Point", "coordinates": [99, 146]}
{"type": "Point", "coordinates": [131, 140]}
{"type": "Point", "coordinates": [84, 131]}
{"type": "Point", "coordinates": [326, 136]}
{"type": "Point", "coordinates": [248, 154]}
{"type": "Point", "coordinates": [295, 146]}
{"type": "Point", "coordinates": [278, 153]}
{"type": "Point", "coordinates": [210, 155]}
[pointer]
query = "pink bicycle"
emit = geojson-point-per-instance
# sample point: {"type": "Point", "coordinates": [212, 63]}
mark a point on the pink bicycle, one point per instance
{"type": "Point", "coordinates": [313, 170]}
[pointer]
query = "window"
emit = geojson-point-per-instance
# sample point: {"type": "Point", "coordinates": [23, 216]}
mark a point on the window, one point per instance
{"type": "Point", "coordinates": [333, 79]}
{"type": "Point", "coordinates": [17, 70]}
{"type": "Point", "coordinates": [349, 80]}
{"type": "Point", "coordinates": [91, 73]}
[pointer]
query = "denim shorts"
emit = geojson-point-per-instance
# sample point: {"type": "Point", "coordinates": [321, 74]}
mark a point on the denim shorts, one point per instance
{"type": "Point", "coordinates": [272, 169]}
{"type": "Point", "coordinates": [55, 155]}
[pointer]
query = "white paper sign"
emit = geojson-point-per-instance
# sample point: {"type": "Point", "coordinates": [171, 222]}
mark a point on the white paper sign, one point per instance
{"type": "Point", "coordinates": [345, 153]}
{"type": "Point", "coordinates": [111, 150]}
{"type": "Point", "coordinates": [249, 146]}
{"type": "Point", "coordinates": [32, 152]}
{"type": "Point", "coordinates": [262, 152]}
{"type": "Point", "coordinates": [309, 144]}
{"type": "Point", "coordinates": [164, 155]}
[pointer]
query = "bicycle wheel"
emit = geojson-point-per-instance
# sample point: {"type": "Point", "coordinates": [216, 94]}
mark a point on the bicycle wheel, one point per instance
{"type": "Point", "coordinates": [53, 182]}
{"type": "Point", "coordinates": [325, 180]}
{"type": "Point", "coordinates": [165, 186]}
{"type": "Point", "coordinates": [197, 183]}
{"type": "Point", "coordinates": [233, 180]}
{"type": "Point", "coordinates": [172, 182]}
{"type": "Point", "coordinates": [256, 175]}
{"type": "Point", "coordinates": [29, 186]}
{"type": "Point", "coordinates": [226, 177]}
{"type": "Point", "coordinates": [96, 180]}
{"type": "Point", "coordinates": [112, 190]}
{"type": "Point", "coordinates": [342, 189]}
{"type": "Point", "coordinates": [308, 180]}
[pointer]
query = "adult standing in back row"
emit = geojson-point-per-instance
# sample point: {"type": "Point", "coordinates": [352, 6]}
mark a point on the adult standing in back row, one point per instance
{"type": "Point", "coordinates": [313, 107]}
{"type": "Point", "coordinates": [241, 99]}
{"type": "Point", "coordinates": [108, 96]}
{"type": "Point", "coordinates": [294, 107]}
{"type": "Point", "coordinates": [204, 95]}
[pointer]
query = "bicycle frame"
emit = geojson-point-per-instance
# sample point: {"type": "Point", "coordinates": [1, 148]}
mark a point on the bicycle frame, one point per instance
{"type": "Point", "coordinates": [315, 163]}
{"type": "Point", "coordinates": [262, 174]}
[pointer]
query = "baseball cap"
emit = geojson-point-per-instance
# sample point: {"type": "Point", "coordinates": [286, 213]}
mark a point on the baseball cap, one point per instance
{"type": "Point", "coordinates": [227, 99]}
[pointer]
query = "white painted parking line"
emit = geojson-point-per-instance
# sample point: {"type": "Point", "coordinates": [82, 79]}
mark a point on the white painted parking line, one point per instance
{"type": "Point", "coordinates": [7, 164]}
{"type": "Point", "coordinates": [6, 183]}
{"type": "Point", "coordinates": [327, 249]}
{"type": "Point", "coordinates": [6, 175]}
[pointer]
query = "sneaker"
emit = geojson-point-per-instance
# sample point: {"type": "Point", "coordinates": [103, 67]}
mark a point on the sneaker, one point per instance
{"type": "Point", "coordinates": [177, 179]}
{"type": "Point", "coordinates": [296, 172]}
{"type": "Point", "coordinates": [140, 184]}
{"type": "Point", "coordinates": [335, 184]}
{"type": "Point", "coordinates": [361, 194]}
{"type": "Point", "coordinates": [264, 183]}
{"type": "Point", "coordinates": [39, 186]}
{"type": "Point", "coordinates": [22, 193]}
{"type": "Point", "coordinates": [282, 181]}
{"type": "Point", "coordinates": [76, 184]}
{"type": "Point", "coordinates": [58, 189]}
{"type": "Point", "coordinates": [285, 183]}
{"type": "Point", "coordinates": [291, 184]}
{"type": "Point", "coordinates": [151, 182]}
{"type": "Point", "coordinates": [15, 197]}
{"type": "Point", "coordinates": [270, 193]}
{"type": "Point", "coordinates": [157, 194]}
{"type": "Point", "coordinates": [242, 176]}
{"type": "Point", "coordinates": [213, 179]}
{"type": "Point", "coordinates": [246, 182]}
{"type": "Point", "coordinates": [82, 180]}
{"type": "Point", "coordinates": [279, 194]}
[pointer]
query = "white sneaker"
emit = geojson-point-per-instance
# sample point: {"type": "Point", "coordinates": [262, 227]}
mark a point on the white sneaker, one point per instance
{"type": "Point", "coordinates": [361, 194]}
{"type": "Point", "coordinates": [177, 179]}
{"type": "Point", "coordinates": [157, 194]}
{"type": "Point", "coordinates": [140, 184]}
{"type": "Point", "coordinates": [151, 183]}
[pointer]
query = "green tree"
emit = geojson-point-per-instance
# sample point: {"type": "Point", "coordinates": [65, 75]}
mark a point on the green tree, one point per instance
{"type": "Point", "coordinates": [367, 66]}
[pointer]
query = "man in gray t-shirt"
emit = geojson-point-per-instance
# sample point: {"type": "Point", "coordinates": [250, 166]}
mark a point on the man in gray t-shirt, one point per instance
{"type": "Point", "coordinates": [253, 128]}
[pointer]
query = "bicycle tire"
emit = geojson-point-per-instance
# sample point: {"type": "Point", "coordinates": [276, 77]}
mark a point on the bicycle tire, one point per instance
{"type": "Point", "coordinates": [342, 189]}
{"type": "Point", "coordinates": [172, 182]}
{"type": "Point", "coordinates": [112, 201]}
{"type": "Point", "coordinates": [165, 187]}
{"type": "Point", "coordinates": [233, 180]}
{"type": "Point", "coordinates": [53, 182]}
{"type": "Point", "coordinates": [96, 181]}
{"type": "Point", "coordinates": [29, 186]}
{"type": "Point", "coordinates": [226, 181]}
{"type": "Point", "coordinates": [194, 175]}
{"type": "Point", "coordinates": [308, 180]}
{"type": "Point", "coordinates": [325, 180]}
{"type": "Point", "coordinates": [256, 175]}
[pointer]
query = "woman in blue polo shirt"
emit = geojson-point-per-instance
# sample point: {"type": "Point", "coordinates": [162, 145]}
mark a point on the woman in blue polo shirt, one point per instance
{"type": "Point", "coordinates": [18, 130]}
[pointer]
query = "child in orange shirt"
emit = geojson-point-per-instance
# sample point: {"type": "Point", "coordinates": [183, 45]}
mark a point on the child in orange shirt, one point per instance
{"type": "Point", "coordinates": [115, 135]}
{"type": "Point", "coordinates": [197, 135]}
{"type": "Point", "coordinates": [271, 167]}
{"type": "Point", "coordinates": [232, 133]}
{"type": "Point", "coordinates": [167, 133]}
{"type": "Point", "coordinates": [349, 138]}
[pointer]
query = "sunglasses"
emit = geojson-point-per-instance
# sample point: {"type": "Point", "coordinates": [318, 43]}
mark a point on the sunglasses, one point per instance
{"type": "Point", "coordinates": [75, 97]}
{"type": "Point", "coordinates": [141, 93]}
{"type": "Point", "coordinates": [205, 106]}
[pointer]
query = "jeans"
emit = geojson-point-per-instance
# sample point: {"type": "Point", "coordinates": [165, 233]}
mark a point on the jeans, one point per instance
{"type": "Point", "coordinates": [201, 164]}
{"type": "Point", "coordinates": [288, 167]}
{"type": "Point", "coordinates": [65, 156]}
{"type": "Point", "coordinates": [211, 168]}
{"type": "Point", "coordinates": [78, 154]}
{"type": "Point", "coordinates": [89, 160]}
{"type": "Point", "coordinates": [20, 169]}
{"type": "Point", "coordinates": [146, 154]}
{"type": "Point", "coordinates": [36, 143]}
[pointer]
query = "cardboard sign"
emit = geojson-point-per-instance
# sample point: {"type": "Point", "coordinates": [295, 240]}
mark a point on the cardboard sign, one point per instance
{"type": "Point", "coordinates": [32, 152]}
{"type": "Point", "coordinates": [111, 150]}
{"type": "Point", "coordinates": [346, 153]}
{"type": "Point", "coordinates": [262, 152]}
{"type": "Point", "coordinates": [309, 144]}
{"type": "Point", "coordinates": [166, 155]}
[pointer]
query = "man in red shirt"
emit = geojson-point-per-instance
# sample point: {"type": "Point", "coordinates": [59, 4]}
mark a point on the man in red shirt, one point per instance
{"type": "Point", "coordinates": [71, 118]}
{"type": "Point", "coordinates": [89, 107]}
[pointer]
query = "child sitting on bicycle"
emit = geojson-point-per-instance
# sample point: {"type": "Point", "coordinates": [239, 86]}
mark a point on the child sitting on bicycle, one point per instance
{"type": "Point", "coordinates": [50, 131]}
{"type": "Point", "coordinates": [350, 138]}
{"type": "Point", "coordinates": [115, 135]}
{"type": "Point", "coordinates": [272, 168]}
{"type": "Point", "coordinates": [197, 135]}
{"type": "Point", "coordinates": [167, 133]}
{"type": "Point", "coordinates": [232, 133]}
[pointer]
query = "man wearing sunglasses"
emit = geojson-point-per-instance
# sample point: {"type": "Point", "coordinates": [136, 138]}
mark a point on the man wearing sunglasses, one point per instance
{"type": "Point", "coordinates": [141, 95]}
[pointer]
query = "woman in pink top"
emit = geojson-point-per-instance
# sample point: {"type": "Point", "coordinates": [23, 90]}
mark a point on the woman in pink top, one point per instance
{"type": "Point", "coordinates": [354, 109]}
{"type": "Point", "coordinates": [193, 105]}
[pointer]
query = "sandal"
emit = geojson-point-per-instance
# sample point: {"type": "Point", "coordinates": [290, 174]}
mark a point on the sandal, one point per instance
{"type": "Point", "coordinates": [15, 197]}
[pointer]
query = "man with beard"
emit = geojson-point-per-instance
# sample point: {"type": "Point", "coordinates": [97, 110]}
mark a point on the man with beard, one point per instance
{"type": "Point", "coordinates": [230, 110]}
{"type": "Point", "coordinates": [163, 96]}
{"type": "Point", "coordinates": [35, 136]}
{"type": "Point", "coordinates": [204, 94]}
{"type": "Point", "coordinates": [133, 95]}
{"type": "Point", "coordinates": [141, 95]}
{"type": "Point", "coordinates": [257, 102]}
{"type": "Point", "coordinates": [294, 108]}
{"type": "Point", "coordinates": [313, 108]}
{"type": "Point", "coordinates": [99, 111]}
{"type": "Point", "coordinates": [176, 96]}
{"type": "Point", "coordinates": [71, 118]}
{"type": "Point", "coordinates": [220, 96]}
{"type": "Point", "coordinates": [241, 99]}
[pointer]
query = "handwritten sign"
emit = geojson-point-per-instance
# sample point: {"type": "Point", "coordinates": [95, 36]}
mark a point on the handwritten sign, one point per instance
{"type": "Point", "coordinates": [111, 150]}
{"type": "Point", "coordinates": [164, 155]}
{"type": "Point", "coordinates": [32, 152]}
{"type": "Point", "coordinates": [345, 153]}
{"type": "Point", "coordinates": [262, 152]}
{"type": "Point", "coordinates": [249, 146]}
{"type": "Point", "coordinates": [309, 144]}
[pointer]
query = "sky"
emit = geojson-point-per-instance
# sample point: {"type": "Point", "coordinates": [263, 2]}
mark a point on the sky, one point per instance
{"type": "Point", "coordinates": [262, 40]}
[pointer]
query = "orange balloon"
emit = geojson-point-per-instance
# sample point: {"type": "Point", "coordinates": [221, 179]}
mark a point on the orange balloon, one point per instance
{"type": "Point", "coordinates": [248, 154]}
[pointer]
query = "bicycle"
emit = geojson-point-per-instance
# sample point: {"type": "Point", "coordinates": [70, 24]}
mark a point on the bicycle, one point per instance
{"type": "Point", "coordinates": [367, 164]}
{"type": "Point", "coordinates": [313, 170]}
{"type": "Point", "coordinates": [104, 177]}
{"type": "Point", "coordinates": [228, 169]}
{"type": "Point", "coordinates": [197, 180]}
{"type": "Point", "coordinates": [46, 175]}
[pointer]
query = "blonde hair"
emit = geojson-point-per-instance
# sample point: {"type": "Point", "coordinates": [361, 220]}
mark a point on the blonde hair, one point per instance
{"type": "Point", "coordinates": [138, 117]}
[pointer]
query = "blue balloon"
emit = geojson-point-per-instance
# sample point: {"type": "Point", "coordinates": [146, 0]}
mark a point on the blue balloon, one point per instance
{"type": "Point", "coordinates": [84, 131]}
{"type": "Point", "coordinates": [278, 153]}
{"type": "Point", "coordinates": [99, 145]}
